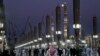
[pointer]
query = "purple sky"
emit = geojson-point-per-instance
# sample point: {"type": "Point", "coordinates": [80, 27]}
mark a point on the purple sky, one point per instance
{"type": "Point", "coordinates": [18, 10]}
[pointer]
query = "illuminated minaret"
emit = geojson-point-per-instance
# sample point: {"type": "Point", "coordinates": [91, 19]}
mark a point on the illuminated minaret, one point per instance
{"type": "Point", "coordinates": [66, 23]}
{"type": "Point", "coordinates": [76, 15]}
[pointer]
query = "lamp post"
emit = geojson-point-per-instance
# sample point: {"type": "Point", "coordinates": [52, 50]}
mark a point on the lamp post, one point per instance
{"type": "Point", "coordinates": [58, 33]}
{"type": "Point", "coordinates": [35, 42]}
{"type": "Point", "coordinates": [94, 39]}
{"type": "Point", "coordinates": [77, 27]}
{"type": "Point", "coordinates": [48, 38]}
{"type": "Point", "coordinates": [40, 39]}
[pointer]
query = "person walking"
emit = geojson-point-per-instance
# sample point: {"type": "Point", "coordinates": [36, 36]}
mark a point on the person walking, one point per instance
{"type": "Point", "coordinates": [99, 51]}
{"type": "Point", "coordinates": [51, 51]}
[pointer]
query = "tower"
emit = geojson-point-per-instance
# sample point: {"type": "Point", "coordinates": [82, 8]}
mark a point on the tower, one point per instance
{"type": "Point", "coordinates": [58, 24]}
{"type": "Point", "coordinates": [2, 25]}
{"type": "Point", "coordinates": [66, 23]}
{"type": "Point", "coordinates": [58, 18]}
{"type": "Point", "coordinates": [95, 36]}
{"type": "Point", "coordinates": [39, 29]}
{"type": "Point", "coordinates": [76, 15]}
{"type": "Point", "coordinates": [47, 25]}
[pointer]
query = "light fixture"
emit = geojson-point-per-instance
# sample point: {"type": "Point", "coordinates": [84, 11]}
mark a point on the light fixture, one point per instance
{"type": "Point", "coordinates": [76, 26]}
{"type": "Point", "coordinates": [0, 38]}
{"type": "Point", "coordinates": [83, 41]}
{"type": "Point", "coordinates": [35, 40]}
{"type": "Point", "coordinates": [95, 36]}
{"type": "Point", "coordinates": [62, 5]}
{"type": "Point", "coordinates": [1, 25]}
{"type": "Point", "coordinates": [58, 32]}
{"type": "Point", "coordinates": [54, 43]}
{"type": "Point", "coordinates": [24, 44]}
{"type": "Point", "coordinates": [48, 36]}
{"type": "Point", "coordinates": [40, 39]}
{"type": "Point", "coordinates": [68, 41]}
{"type": "Point", "coordinates": [63, 43]}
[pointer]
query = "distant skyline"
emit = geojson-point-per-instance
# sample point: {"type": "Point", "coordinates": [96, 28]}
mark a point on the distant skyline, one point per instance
{"type": "Point", "coordinates": [18, 11]}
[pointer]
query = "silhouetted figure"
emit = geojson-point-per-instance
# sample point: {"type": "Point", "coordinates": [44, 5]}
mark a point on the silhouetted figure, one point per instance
{"type": "Point", "coordinates": [99, 51]}
{"type": "Point", "coordinates": [36, 52]}
{"type": "Point", "coordinates": [29, 52]}
{"type": "Point", "coordinates": [78, 51]}
{"type": "Point", "coordinates": [12, 53]}
{"type": "Point", "coordinates": [73, 51]}
{"type": "Point", "coordinates": [59, 51]}
{"type": "Point", "coordinates": [5, 53]}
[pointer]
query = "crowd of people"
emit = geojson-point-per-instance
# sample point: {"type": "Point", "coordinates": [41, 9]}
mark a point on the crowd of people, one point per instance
{"type": "Point", "coordinates": [52, 51]}
{"type": "Point", "coordinates": [7, 53]}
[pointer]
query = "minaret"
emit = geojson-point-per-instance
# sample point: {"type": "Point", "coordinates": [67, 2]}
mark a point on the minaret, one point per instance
{"type": "Point", "coordinates": [52, 29]}
{"type": "Point", "coordinates": [58, 18]}
{"type": "Point", "coordinates": [40, 33]}
{"type": "Point", "coordinates": [94, 25]}
{"type": "Point", "coordinates": [95, 36]}
{"type": "Point", "coordinates": [66, 23]}
{"type": "Point", "coordinates": [39, 29]}
{"type": "Point", "coordinates": [76, 15]}
{"type": "Point", "coordinates": [47, 25]}
{"type": "Point", "coordinates": [58, 24]}
{"type": "Point", "coordinates": [2, 25]}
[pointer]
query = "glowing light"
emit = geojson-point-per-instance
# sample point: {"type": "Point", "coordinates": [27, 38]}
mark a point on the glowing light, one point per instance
{"type": "Point", "coordinates": [65, 29]}
{"type": "Point", "coordinates": [95, 36]}
{"type": "Point", "coordinates": [58, 32]}
{"type": "Point", "coordinates": [2, 31]}
{"type": "Point", "coordinates": [0, 38]}
{"type": "Point", "coordinates": [54, 43]}
{"type": "Point", "coordinates": [83, 41]}
{"type": "Point", "coordinates": [1, 25]}
{"type": "Point", "coordinates": [62, 5]}
{"type": "Point", "coordinates": [48, 36]}
{"type": "Point", "coordinates": [33, 46]}
{"type": "Point", "coordinates": [37, 46]}
{"type": "Point", "coordinates": [63, 43]}
{"type": "Point", "coordinates": [35, 40]}
{"type": "Point", "coordinates": [52, 28]}
{"type": "Point", "coordinates": [24, 44]}
{"type": "Point", "coordinates": [40, 39]}
{"type": "Point", "coordinates": [77, 26]}
{"type": "Point", "coordinates": [68, 41]}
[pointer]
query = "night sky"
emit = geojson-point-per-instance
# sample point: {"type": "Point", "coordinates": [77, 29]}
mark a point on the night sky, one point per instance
{"type": "Point", "coordinates": [18, 11]}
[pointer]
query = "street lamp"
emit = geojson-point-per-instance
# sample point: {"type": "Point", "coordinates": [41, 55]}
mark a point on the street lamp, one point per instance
{"type": "Point", "coordinates": [68, 42]}
{"type": "Point", "coordinates": [95, 37]}
{"type": "Point", "coordinates": [58, 33]}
